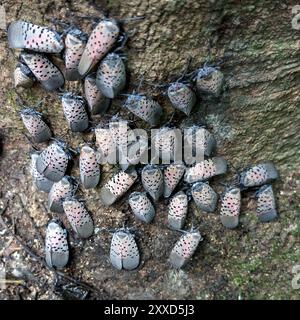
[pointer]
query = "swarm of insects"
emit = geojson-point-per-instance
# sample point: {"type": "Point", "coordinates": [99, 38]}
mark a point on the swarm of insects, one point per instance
{"type": "Point", "coordinates": [94, 60]}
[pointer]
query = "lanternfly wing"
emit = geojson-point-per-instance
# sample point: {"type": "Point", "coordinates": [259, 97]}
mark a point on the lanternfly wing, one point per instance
{"type": "Point", "coordinates": [41, 182]}
{"type": "Point", "coordinates": [117, 186]}
{"type": "Point", "coordinates": [75, 113]}
{"type": "Point", "coordinates": [25, 35]}
{"type": "Point", "coordinates": [56, 246]}
{"type": "Point", "coordinates": [101, 40]}
{"type": "Point", "coordinates": [61, 190]}
{"type": "Point", "coordinates": [204, 196]}
{"type": "Point", "coordinates": [258, 175]}
{"type": "Point", "coordinates": [182, 97]}
{"type": "Point", "coordinates": [97, 102]}
{"type": "Point", "coordinates": [230, 207]}
{"type": "Point", "coordinates": [23, 77]}
{"type": "Point", "coordinates": [44, 70]}
{"type": "Point", "coordinates": [184, 248]}
{"type": "Point", "coordinates": [177, 210]}
{"type": "Point", "coordinates": [210, 81]}
{"type": "Point", "coordinates": [141, 206]}
{"type": "Point", "coordinates": [89, 167]}
{"type": "Point", "coordinates": [206, 169]}
{"type": "Point", "coordinates": [106, 145]}
{"type": "Point", "coordinates": [152, 180]}
{"type": "Point", "coordinates": [35, 125]}
{"type": "Point", "coordinates": [75, 42]}
{"type": "Point", "coordinates": [144, 108]}
{"type": "Point", "coordinates": [79, 217]}
{"type": "Point", "coordinates": [111, 75]}
{"type": "Point", "coordinates": [172, 175]}
{"type": "Point", "coordinates": [53, 162]}
{"type": "Point", "coordinates": [266, 205]}
{"type": "Point", "coordinates": [124, 252]}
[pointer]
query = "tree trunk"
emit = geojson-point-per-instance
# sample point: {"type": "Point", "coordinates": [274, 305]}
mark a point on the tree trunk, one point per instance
{"type": "Point", "coordinates": [256, 118]}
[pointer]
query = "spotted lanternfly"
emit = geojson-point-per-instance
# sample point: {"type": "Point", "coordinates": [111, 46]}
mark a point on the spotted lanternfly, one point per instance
{"type": "Point", "coordinates": [41, 182]}
{"type": "Point", "coordinates": [78, 217]}
{"type": "Point", "coordinates": [266, 205]}
{"type": "Point", "coordinates": [209, 81]}
{"type": "Point", "coordinates": [111, 75]}
{"type": "Point", "coordinates": [53, 161]}
{"type": "Point", "coordinates": [230, 207]}
{"type": "Point", "coordinates": [105, 145]}
{"type": "Point", "coordinates": [75, 113]}
{"type": "Point", "coordinates": [56, 246]}
{"type": "Point", "coordinates": [198, 142]}
{"type": "Point", "coordinates": [117, 186]}
{"type": "Point", "coordinates": [25, 35]}
{"type": "Point", "coordinates": [136, 150]}
{"type": "Point", "coordinates": [101, 40]}
{"type": "Point", "coordinates": [89, 167]}
{"type": "Point", "coordinates": [61, 190]}
{"type": "Point", "coordinates": [23, 77]}
{"type": "Point", "coordinates": [124, 252]}
{"type": "Point", "coordinates": [141, 206]}
{"type": "Point", "coordinates": [35, 125]}
{"type": "Point", "coordinates": [177, 210]}
{"type": "Point", "coordinates": [258, 175]}
{"type": "Point", "coordinates": [144, 107]}
{"type": "Point", "coordinates": [204, 196]}
{"type": "Point", "coordinates": [153, 181]}
{"type": "Point", "coordinates": [182, 97]}
{"type": "Point", "coordinates": [120, 132]}
{"type": "Point", "coordinates": [75, 43]}
{"type": "Point", "coordinates": [184, 248]}
{"type": "Point", "coordinates": [206, 169]}
{"type": "Point", "coordinates": [44, 70]}
{"type": "Point", "coordinates": [96, 100]}
{"type": "Point", "coordinates": [167, 144]}
{"type": "Point", "coordinates": [172, 175]}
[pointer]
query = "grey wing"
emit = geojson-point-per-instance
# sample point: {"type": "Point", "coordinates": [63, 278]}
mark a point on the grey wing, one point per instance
{"type": "Point", "coordinates": [115, 258]}
{"type": "Point", "coordinates": [15, 35]}
{"type": "Point", "coordinates": [132, 260]}
{"type": "Point", "coordinates": [176, 260]}
{"type": "Point", "coordinates": [59, 259]}
{"type": "Point", "coordinates": [44, 135]}
{"type": "Point", "coordinates": [44, 185]}
{"type": "Point", "coordinates": [80, 125]}
{"type": "Point", "coordinates": [176, 224]}
{"type": "Point", "coordinates": [56, 81]}
{"type": "Point", "coordinates": [56, 259]}
{"type": "Point", "coordinates": [86, 63]}
{"type": "Point", "coordinates": [87, 228]}
{"type": "Point", "coordinates": [90, 181]}
{"type": "Point", "coordinates": [53, 174]}
{"type": "Point", "coordinates": [149, 216]}
{"type": "Point", "coordinates": [106, 197]}
{"type": "Point", "coordinates": [41, 163]}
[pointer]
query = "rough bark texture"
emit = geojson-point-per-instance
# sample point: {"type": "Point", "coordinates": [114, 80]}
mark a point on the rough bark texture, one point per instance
{"type": "Point", "coordinates": [256, 118]}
